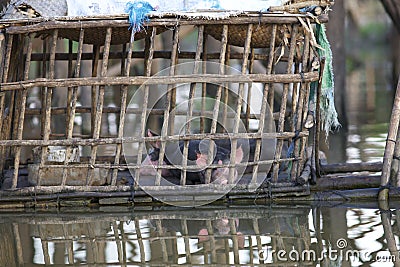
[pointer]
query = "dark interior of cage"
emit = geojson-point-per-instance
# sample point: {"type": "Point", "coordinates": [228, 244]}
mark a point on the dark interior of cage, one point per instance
{"type": "Point", "coordinates": [180, 105]}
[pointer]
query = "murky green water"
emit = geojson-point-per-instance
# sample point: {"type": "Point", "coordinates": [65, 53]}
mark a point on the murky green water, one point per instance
{"type": "Point", "coordinates": [286, 235]}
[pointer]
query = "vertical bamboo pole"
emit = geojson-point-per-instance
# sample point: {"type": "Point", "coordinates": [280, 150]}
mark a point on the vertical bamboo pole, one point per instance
{"type": "Point", "coordinates": [302, 106]}
{"type": "Point", "coordinates": [99, 105]}
{"type": "Point", "coordinates": [268, 90]}
{"type": "Point", "coordinates": [226, 88]}
{"type": "Point", "coordinates": [149, 51]}
{"type": "Point", "coordinates": [196, 67]}
{"type": "Point", "coordinates": [45, 248]}
{"type": "Point", "coordinates": [282, 112]}
{"type": "Point", "coordinates": [249, 89]}
{"type": "Point", "coordinates": [166, 127]}
{"type": "Point", "coordinates": [95, 66]}
{"type": "Point", "coordinates": [6, 118]}
{"type": "Point", "coordinates": [140, 241]}
{"type": "Point", "coordinates": [69, 244]}
{"type": "Point", "coordinates": [118, 242]}
{"type": "Point", "coordinates": [204, 86]}
{"type": "Point", "coordinates": [211, 235]}
{"type": "Point", "coordinates": [237, 121]}
{"type": "Point", "coordinates": [43, 90]}
{"type": "Point", "coordinates": [69, 92]}
{"type": "Point", "coordinates": [48, 97]}
{"type": "Point", "coordinates": [214, 122]}
{"type": "Point", "coordinates": [18, 245]}
{"type": "Point", "coordinates": [125, 70]}
{"type": "Point", "coordinates": [186, 240]}
{"type": "Point", "coordinates": [390, 145]}
{"type": "Point", "coordinates": [172, 88]}
{"type": "Point", "coordinates": [17, 70]}
{"type": "Point", "coordinates": [256, 229]}
{"type": "Point", "coordinates": [163, 244]}
{"type": "Point", "coordinates": [73, 97]}
{"type": "Point", "coordinates": [232, 225]}
{"type": "Point", "coordinates": [389, 235]}
{"type": "Point", "coordinates": [124, 241]}
{"type": "Point", "coordinates": [317, 129]}
{"type": "Point", "coordinates": [271, 66]}
{"type": "Point", "coordinates": [20, 127]}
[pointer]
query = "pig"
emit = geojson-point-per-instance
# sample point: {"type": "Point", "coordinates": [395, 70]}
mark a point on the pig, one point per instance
{"type": "Point", "coordinates": [197, 156]}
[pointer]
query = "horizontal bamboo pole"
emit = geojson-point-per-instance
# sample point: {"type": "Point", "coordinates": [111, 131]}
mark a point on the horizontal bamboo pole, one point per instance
{"type": "Point", "coordinates": [28, 195]}
{"type": "Point", "coordinates": [106, 141]}
{"type": "Point", "coordinates": [300, 4]}
{"type": "Point", "coordinates": [351, 167]}
{"type": "Point", "coordinates": [346, 183]}
{"type": "Point", "coordinates": [59, 192]}
{"type": "Point", "coordinates": [155, 80]}
{"type": "Point", "coordinates": [152, 111]}
{"type": "Point", "coordinates": [14, 27]}
{"type": "Point", "coordinates": [167, 167]}
{"type": "Point", "coordinates": [141, 54]}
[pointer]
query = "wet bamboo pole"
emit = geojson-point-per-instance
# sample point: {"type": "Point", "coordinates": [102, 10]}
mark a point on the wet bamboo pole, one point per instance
{"type": "Point", "coordinates": [186, 240]}
{"type": "Point", "coordinates": [390, 146]}
{"type": "Point", "coordinates": [140, 241]}
{"type": "Point", "coordinates": [210, 231]}
{"type": "Point", "coordinates": [386, 215]}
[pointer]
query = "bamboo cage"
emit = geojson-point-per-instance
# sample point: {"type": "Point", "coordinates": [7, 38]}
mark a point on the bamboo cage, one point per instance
{"type": "Point", "coordinates": [66, 86]}
{"type": "Point", "coordinates": [207, 237]}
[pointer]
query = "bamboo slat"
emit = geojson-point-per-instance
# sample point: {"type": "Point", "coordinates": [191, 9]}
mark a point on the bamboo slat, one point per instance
{"type": "Point", "coordinates": [139, 80]}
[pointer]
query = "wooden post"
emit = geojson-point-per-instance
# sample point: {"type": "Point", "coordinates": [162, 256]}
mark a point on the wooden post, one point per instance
{"type": "Point", "coordinates": [390, 146]}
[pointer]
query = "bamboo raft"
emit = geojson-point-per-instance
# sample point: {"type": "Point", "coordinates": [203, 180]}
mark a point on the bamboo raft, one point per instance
{"type": "Point", "coordinates": [97, 57]}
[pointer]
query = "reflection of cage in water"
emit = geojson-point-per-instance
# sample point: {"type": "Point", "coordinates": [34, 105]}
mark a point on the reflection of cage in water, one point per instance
{"type": "Point", "coordinates": [66, 86]}
{"type": "Point", "coordinates": [235, 236]}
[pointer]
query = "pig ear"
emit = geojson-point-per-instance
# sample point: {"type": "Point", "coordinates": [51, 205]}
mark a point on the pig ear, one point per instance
{"type": "Point", "coordinates": [155, 144]}
{"type": "Point", "coordinates": [239, 154]}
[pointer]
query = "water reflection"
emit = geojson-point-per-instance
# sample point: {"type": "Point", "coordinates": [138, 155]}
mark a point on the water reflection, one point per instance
{"type": "Point", "coordinates": [273, 235]}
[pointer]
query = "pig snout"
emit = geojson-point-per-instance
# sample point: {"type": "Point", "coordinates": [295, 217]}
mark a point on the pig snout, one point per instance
{"type": "Point", "coordinates": [222, 157]}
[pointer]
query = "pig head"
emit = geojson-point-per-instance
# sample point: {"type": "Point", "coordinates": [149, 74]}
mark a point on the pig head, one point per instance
{"type": "Point", "coordinates": [197, 155]}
